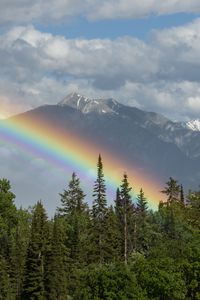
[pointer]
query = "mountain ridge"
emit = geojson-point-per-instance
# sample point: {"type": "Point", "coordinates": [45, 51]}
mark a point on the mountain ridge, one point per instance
{"type": "Point", "coordinates": [147, 140]}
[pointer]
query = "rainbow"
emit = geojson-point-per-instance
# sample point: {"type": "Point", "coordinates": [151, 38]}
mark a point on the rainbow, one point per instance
{"type": "Point", "coordinates": [73, 153]}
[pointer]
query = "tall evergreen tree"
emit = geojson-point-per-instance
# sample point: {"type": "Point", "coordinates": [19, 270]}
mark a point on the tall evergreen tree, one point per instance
{"type": "Point", "coordinates": [8, 216]}
{"type": "Point", "coordinates": [126, 212]}
{"type": "Point", "coordinates": [142, 204]}
{"type": "Point", "coordinates": [112, 237]}
{"type": "Point", "coordinates": [19, 244]}
{"type": "Point", "coordinates": [99, 210]}
{"type": "Point", "coordinates": [72, 198]}
{"type": "Point", "coordinates": [118, 204]}
{"type": "Point", "coordinates": [5, 284]}
{"type": "Point", "coordinates": [182, 197]}
{"type": "Point", "coordinates": [34, 268]}
{"type": "Point", "coordinates": [56, 263]}
{"type": "Point", "coordinates": [76, 213]}
{"type": "Point", "coordinates": [99, 193]}
{"type": "Point", "coordinates": [172, 190]}
{"type": "Point", "coordinates": [142, 228]}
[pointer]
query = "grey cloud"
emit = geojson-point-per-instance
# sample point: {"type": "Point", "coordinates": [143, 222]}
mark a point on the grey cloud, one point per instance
{"type": "Point", "coordinates": [113, 9]}
{"type": "Point", "coordinates": [26, 11]}
{"type": "Point", "coordinates": [161, 75]}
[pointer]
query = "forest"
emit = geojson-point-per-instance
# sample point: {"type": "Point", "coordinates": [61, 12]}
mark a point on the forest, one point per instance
{"type": "Point", "coordinates": [119, 251]}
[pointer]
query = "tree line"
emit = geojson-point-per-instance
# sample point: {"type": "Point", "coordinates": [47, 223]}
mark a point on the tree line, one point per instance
{"type": "Point", "coordinates": [122, 251]}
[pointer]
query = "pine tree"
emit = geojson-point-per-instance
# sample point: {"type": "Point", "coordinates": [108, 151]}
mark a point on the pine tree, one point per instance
{"type": "Point", "coordinates": [34, 267]}
{"type": "Point", "coordinates": [99, 210]}
{"type": "Point", "coordinates": [5, 284]}
{"type": "Point", "coordinates": [112, 237]}
{"type": "Point", "coordinates": [125, 215]}
{"type": "Point", "coordinates": [18, 249]}
{"type": "Point", "coordinates": [182, 197]}
{"type": "Point", "coordinates": [142, 227]}
{"type": "Point", "coordinates": [72, 198]}
{"type": "Point", "coordinates": [76, 213]}
{"type": "Point", "coordinates": [8, 224]}
{"type": "Point", "coordinates": [56, 263]}
{"type": "Point", "coordinates": [172, 190]}
{"type": "Point", "coordinates": [100, 203]}
{"type": "Point", "coordinates": [118, 204]}
{"type": "Point", "coordinates": [8, 216]}
{"type": "Point", "coordinates": [142, 204]}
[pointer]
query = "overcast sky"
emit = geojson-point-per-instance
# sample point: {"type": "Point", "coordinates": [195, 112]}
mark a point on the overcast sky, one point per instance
{"type": "Point", "coordinates": [143, 53]}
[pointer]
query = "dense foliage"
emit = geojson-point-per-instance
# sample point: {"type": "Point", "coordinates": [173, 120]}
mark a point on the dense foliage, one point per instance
{"type": "Point", "coordinates": [124, 251]}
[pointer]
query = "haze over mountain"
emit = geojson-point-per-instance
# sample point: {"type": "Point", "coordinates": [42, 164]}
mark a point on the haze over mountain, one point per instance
{"type": "Point", "coordinates": [146, 139]}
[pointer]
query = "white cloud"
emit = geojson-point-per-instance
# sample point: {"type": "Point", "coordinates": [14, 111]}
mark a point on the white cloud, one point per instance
{"type": "Point", "coordinates": [113, 9]}
{"type": "Point", "coordinates": [25, 11]}
{"type": "Point", "coordinates": [162, 74]}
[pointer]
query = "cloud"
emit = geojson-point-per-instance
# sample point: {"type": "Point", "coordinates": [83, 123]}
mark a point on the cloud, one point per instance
{"type": "Point", "coordinates": [161, 74]}
{"type": "Point", "coordinates": [113, 9]}
{"type": "Point", "coordinates": [26, 11]}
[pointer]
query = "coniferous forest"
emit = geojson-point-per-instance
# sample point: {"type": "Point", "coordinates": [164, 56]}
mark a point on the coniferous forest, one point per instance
{"type": "Point", "coordinates": [123, 251]}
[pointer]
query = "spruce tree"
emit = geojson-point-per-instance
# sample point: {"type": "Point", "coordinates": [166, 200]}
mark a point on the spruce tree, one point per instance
{"type": "Point", "coordinates": [34, 268]}
{"type": "Point", "coordinates": [99, 210]}
{"type": "Point", "coordinates": [18, 249]}
{"type": "Point", "coordinates": [56, 263]}
{"type": "Point", "coordinates": [182, 197]}
{"type": "Point", "coordinates": [76, 214]}
{"type": "Point", "coordinates": [72, 198]}
{"type": "Point", "coordinates": [5, 284]}
{"type": "Point", "coordinates": [142, 204]}
{"type": "Point", "coordinates": [99, 193]}
{"type": "Point", "coordinates": [126, 213]}
{"type": "Point", "coordinates": [112, 237]}
{"type": "Point", "coordinates": [172, 190]}
{"type": "Point", "coordinates": [142, 227]}
{"type": "Point", "coordinates": [8, 216]}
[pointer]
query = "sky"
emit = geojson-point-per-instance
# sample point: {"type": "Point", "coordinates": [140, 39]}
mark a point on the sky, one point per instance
{"type": "Point", "coordinates": [142, 53]}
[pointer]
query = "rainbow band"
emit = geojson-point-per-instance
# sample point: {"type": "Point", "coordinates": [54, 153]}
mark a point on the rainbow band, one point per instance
{"type": "Point", "coordinates": [67, 150]}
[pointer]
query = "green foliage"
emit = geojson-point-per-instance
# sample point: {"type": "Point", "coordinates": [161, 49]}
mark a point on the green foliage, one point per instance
{"type": "Point", "coordinates": [142, 204]}
{"type": "Point", "coordinates": [56, 263]}
{"type": "Point", "coordinates": [172, 190]}
{"type": "Point", "coordinates": [125, 210]}
{"type": "Point", "coordinates": [18, 248]}
{"type": "Point", "coordinates": [99, 194]}
{"type": "Point", "coordinates": [125, 252]}
{"type": "Point", "coordinates": [99, 210]}
{"type": "Point", "coordinates": [35, 261]}
{"type": "Point", "coordinates": [5, 285]}
{"type": "Point", "coordinates": [72, 198]}
{"type": "Point", "coordinates": [8, 215]}
{"type": "Point", "coordinates": [160, 278]}
{"type": "Point", "coordinates": [108, 282]}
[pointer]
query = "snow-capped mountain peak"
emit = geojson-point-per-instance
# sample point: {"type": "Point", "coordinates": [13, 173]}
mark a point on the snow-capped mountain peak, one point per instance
{"type": "Point", "coordinates": [87, 105]}
{"type": "Point", "coordinates": [193, 125]}
{"type": "Point", "coordinates": [74, 100]}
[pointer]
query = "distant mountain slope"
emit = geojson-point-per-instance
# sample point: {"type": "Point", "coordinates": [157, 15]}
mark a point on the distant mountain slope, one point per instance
{"type": "Point", "coordinates": [154, 143]}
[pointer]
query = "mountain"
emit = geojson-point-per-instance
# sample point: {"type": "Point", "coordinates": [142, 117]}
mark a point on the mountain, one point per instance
{"type": "Point", "coordinates": [86, 105]}
{"type": "Point", "coordinates": [193, 125]}
{"type": "Point", "coordinates": [149, 140]}
{"type": "Point", "coordinates": [155, 125]}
